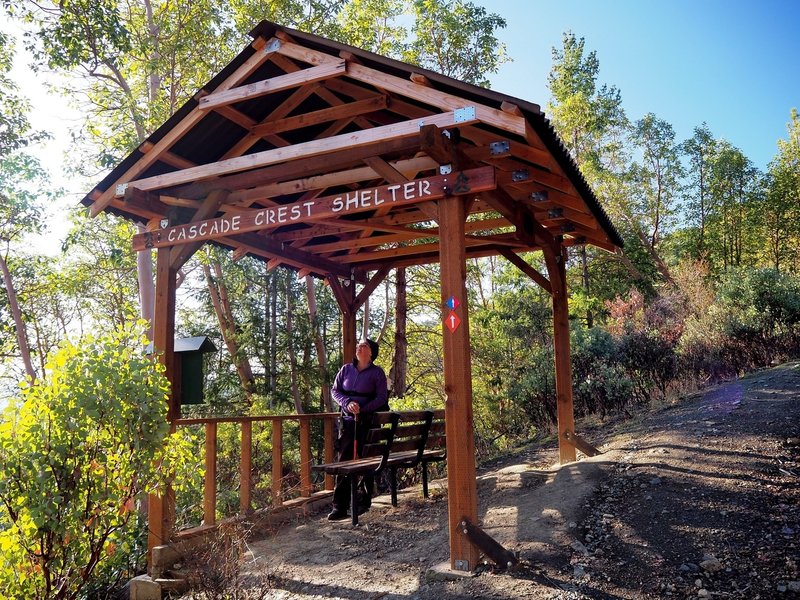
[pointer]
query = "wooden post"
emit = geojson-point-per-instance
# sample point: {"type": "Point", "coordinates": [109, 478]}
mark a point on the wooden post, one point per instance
{"type": "Point", "coordinates": [210, 488]}
{"type": "Point", "coordinates": [161, 509]}
{"type": "Point", "coordinates": [329, 431]}
{"type": "Point", "coordinates": [245, 467]}
{"type": "Point", "coordinates": [277, 462]}
{"type": "Point", "coordinates": [566, 417]}
{"type": "Point", "coordinates": [349, 324]}
{"type": "Point", "coordinates": [305, 458]}
{"type": "Point", "coordinates": [461, 486]}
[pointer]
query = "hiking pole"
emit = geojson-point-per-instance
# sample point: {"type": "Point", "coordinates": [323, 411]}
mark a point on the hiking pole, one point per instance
{"type": "Point", "coordinates": [355, 438]}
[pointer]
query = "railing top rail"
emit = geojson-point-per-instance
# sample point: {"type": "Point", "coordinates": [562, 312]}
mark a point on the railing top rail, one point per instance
{"type": "Point", "coordinates": [251, 419]}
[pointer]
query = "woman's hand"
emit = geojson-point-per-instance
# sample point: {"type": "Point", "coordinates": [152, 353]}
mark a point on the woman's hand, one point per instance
{"type": "Point", "coordinates": [353, 408]}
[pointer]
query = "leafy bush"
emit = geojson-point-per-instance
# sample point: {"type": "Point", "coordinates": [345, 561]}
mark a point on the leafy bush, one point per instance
{"type": "Point", "coordinates": [600, 384]}
{"type": "Point", "coordinates": [649, 360]}
{"type": "Point", "coordinates": [76, 450]}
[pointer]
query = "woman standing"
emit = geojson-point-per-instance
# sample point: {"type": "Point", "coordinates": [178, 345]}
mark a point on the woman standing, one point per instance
{"type": "Point", "coordinates": [360, 390]}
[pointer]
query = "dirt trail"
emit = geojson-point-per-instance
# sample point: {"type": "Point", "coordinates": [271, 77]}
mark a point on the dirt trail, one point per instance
{"type": "Point", "coordinates": [697, 499]}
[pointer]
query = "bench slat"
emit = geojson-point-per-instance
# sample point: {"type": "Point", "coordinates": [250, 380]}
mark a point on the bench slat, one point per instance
{"type": "Point", "coordinates": [407, 416]}
{"type": "Point", "coordinates": [437, 427]}
{"type": "Point", "coordinates": [406, 445]}
{"type": "Point", "coordinates": [411, 431]}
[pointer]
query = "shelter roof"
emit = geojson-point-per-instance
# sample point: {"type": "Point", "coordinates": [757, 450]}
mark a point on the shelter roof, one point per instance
{"type": "Point", "coordinates": [297, 121]}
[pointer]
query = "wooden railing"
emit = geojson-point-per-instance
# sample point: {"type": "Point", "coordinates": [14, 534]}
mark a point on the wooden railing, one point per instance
{"type": "Point", "coordinates": [246, 457]}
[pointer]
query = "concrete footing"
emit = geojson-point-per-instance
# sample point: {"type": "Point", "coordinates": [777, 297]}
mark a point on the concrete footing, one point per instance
{"type": "Point", "coordinates": [443, 572]}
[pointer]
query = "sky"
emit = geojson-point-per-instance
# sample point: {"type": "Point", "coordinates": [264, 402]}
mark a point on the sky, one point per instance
{"type": "Point", "coordinates": [732, 64]}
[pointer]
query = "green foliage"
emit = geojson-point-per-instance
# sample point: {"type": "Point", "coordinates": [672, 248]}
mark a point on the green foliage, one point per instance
{"type": "Point", "coordinates": [600, 382]}
{"type": "Point", "coordinates": [15, 128]}
{"type": "Point", "coordinates": [457, 39]}
{"type": "Point", "coordinates": [20, 201]}
{"type": "Point", "coordinates": [586, 116]}
{"type": "Point", "coordinates": [372, 25]}
{"type": "Point", "coordinates": [76, 451]}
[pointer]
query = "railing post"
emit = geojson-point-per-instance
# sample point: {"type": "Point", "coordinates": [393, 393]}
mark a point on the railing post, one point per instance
{"type": "Point", "coordinates": [329, 433]}
{"type": "Point", "coordinates": [277, 461]}
{"type": "Point", "coordinates": [305, 457]}
{"type": "Point", "coordinates": [245, 467]}
{"type": "Point", "coordinates": [210, 491]}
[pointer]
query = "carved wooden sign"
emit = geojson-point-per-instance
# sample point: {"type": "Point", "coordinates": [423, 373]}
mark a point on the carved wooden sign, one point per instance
{"type": "Point", "coordinates": [305, 211]}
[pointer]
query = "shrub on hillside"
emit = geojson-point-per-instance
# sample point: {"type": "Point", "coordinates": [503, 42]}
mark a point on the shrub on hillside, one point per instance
{"type": "Point", "coordinates": [600, 384]}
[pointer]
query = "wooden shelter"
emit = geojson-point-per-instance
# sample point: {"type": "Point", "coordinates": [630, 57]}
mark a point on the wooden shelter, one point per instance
{"type": "Point", "coordinates": [343, 164]}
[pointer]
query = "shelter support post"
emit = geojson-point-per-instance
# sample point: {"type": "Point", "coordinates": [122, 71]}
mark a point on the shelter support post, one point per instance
{"type": "Point", "coordinates": [565, 411]}
{"type": "Point", "coordinates": [161, 509]}
{"type": "Point", "coordinates": [461, 485]}
{"type": "Point", "coordinates": [345, 295]}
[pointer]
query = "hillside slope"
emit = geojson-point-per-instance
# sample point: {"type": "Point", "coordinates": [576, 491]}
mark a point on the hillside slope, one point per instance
{"type": "Point", "coordinates": [697, 499]}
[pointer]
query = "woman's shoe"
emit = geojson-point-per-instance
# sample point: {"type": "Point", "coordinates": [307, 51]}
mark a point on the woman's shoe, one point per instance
{"type": "Point", "coordinates": [337, 515]}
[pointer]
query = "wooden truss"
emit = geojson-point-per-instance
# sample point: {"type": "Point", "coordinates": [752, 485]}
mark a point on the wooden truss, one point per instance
{"type": "Point", "coordinates": [343, 164]}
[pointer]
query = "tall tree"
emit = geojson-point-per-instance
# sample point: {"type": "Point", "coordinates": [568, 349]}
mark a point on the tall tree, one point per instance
{"type": "Point", "coordinates": [21, 176]}
{"type": "Point", "coordinates": [699, 149]}
{"type": "Point", "coordinates": [587, 117]}
{"type": "Point", "coordinates": [457, 39]}
{"type": "Point", "coordinates": [656, 185]}
{"type": "Point", "coordinates": [781, 210]}
{"type": "Point", "coordinates": [735, 192]}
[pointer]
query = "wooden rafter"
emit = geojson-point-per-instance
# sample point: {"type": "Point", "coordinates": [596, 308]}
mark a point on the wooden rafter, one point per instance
{"type": "Point", "coordinates": [262, 54]}
{"type": "Point", "coordinates": [270, 86]}
{"type": "Point", "coordinates": [310, 149]}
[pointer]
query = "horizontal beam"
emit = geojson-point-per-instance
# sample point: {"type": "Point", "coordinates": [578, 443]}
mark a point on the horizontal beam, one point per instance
{"type": "Point", "coordinates": [334, 113]}
{"type": "Point", "coordinates": [316, 182]}
{"type": "Point", "coordinates": [402, 129]}
{"type": "Point", "coordinates": [275, 84]}
{"type": "Point", "coordinates": [306, 211]}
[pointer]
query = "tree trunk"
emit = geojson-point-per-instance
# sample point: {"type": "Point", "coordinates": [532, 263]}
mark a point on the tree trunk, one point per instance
{"type": "Point", "coordinates": [16, 313]}
{"type": "Point", "coordinates": [147, 287]}
{"type": "Point", "coordinates": [365, 321]}
{"type": "Point", "coordinates": [398, 371]}
{"type": "Point", "coordinates": [585, 276]}
{"type": "Point", "coordinates": [322, 359]}
{"type": "Point", "coordinates": [660, 264]}
{"type": "Point", "coordinates": [273, 337]}
{"type": "Point", "coordinates": [298, 401]}
{"type": "Point", "coordinates": [222, 308]}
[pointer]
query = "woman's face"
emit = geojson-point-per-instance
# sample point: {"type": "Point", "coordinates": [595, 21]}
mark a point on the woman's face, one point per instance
{"type": "Point", "coordinates": [363, 352]}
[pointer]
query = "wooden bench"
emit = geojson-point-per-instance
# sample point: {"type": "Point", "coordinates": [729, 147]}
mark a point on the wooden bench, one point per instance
{"type": "Point", "coordinates": [374, 456]}
{"type": "Point", "coordinates": [397, 440]}
{"type": "Point", "coordinates": [422, 442]}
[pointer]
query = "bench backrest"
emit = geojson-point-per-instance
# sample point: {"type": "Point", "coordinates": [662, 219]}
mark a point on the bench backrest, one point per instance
{"type": "Point", "coordinates": [380, 437]}
{"type": "Point", "coordinates": [412, 431]}
{"type": "Point", "coordinates": [436, 436]}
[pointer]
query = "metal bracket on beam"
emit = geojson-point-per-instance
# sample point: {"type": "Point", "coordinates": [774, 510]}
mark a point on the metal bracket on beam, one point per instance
{"type": "Point", "coordinates": [273, 46]}
{"type": "Point", "coordinates": [461, 115]}
{"type": "Point", "coordinates": [498, 148]}
{"type": "Point", "coordinates": [520, 175]}
{"type": "Point", "coordinates": [555, 213]}
{"type": "Point", "coordinates": [121, 189]}
{"type": "Point", "coordinates": [445, 169]}
{"type": "Point", "coordinates": [567, 227]}
{"type": "Point", "coordinates": [541, 196]}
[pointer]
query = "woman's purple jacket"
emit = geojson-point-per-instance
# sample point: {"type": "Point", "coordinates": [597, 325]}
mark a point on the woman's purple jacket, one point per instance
{"type": "Point", "coordinates": [367, 388]}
